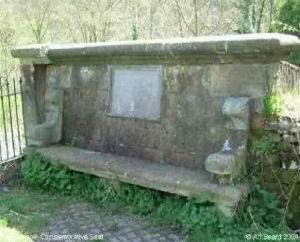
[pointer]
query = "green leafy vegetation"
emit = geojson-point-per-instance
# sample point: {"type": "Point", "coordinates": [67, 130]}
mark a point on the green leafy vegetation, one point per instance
{"type": "Point", "coordinates": [288, 21]}
{"type": "Point", "coordinates": [290, 15]}
{"type": "Point", "coordinates": [272, 105]}
{"type": "Point", "coordinates": [295, 58]}
{"type": "Point", "coordinates": [58, 179]}
{"type": "Point", "coordinates": [267, 154]}
{"type": "Point", "coordinates": [262, 143]}
{"type": "Point", "coordinates": [201, 220]}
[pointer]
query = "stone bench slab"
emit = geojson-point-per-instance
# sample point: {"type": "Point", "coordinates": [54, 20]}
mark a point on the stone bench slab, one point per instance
{"type": "Point", "coordinates": [163, 177]}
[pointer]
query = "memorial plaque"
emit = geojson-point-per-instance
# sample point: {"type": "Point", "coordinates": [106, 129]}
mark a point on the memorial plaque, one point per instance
{"type": "Point", "coordinates": [135, 92]}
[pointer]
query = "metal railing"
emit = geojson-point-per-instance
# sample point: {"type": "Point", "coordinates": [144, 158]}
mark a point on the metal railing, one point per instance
{"type": "Point", "coordinates": [12, 139]}
{"type": "Point", "coordinates": [289, 76]}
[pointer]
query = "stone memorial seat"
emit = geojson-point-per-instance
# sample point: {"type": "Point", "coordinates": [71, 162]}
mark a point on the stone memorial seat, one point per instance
{"type": "Point", "coordinates": [172, 115]}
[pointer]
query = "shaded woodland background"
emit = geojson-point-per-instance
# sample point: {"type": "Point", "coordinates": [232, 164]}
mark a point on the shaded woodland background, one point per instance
{"type": "Point", "coordinates": [47, 21]}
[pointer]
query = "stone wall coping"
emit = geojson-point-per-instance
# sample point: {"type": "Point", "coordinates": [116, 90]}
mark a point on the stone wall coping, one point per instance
{"type": "Point", "coordinates": [262, 44]}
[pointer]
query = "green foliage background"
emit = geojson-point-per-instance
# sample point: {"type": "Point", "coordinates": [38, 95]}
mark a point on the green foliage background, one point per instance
{"type": "Point", "coordinates": [288, 21]}
{"type": "Point", "coordinates": [290, 15]}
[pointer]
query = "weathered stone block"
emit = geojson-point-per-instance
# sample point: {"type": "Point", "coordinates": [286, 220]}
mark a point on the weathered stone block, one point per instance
{"type": "Point", "coordinates": [221, 163]}
{"type": "Point", "coordinates": [140, 137]}
{"type": "Point", "coordinates": [44, 125]}
{"type": "Point", "coordinates": [150, 154]}
{"type": "Point", "coordinates": [166, 139]}
{"type": "Point", "coordinates": [226, 80]}
{"type": "Point", "coordinates": [284, 124]}
{"type": "Point", "coordinates": [190, 159]}
{"type": "Point", "coordinates": [289, 138]}
{"type": "Point", "coordinates": [228, 161]}
{"type": "Point", "coordinates": [276, 137]}
{"type": "Point", "coordinates": [165, 156]}
{"type": "Point", "coordinates": [237, 110]}
{"type": "Point", "coordinates": [153, 140]}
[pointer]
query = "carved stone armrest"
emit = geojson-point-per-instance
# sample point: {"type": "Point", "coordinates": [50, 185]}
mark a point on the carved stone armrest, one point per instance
{"type": "Point", "coordinates": [229, 162]}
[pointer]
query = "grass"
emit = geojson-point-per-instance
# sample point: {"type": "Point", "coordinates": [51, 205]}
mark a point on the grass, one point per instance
{"type": "Point", "coordinates": [24, 211]}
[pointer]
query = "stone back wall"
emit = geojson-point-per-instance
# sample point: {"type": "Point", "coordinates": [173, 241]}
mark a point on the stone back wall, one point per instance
{"type": "Point", "coordinates": [191, 124]}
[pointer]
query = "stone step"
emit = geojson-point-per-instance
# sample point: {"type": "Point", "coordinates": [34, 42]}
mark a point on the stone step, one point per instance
{"type": "Point", "coordinates": [163, 177]}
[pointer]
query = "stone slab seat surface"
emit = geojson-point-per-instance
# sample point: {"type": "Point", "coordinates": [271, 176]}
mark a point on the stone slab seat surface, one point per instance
{"type": "Point", "coordinates": [163, 177]}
